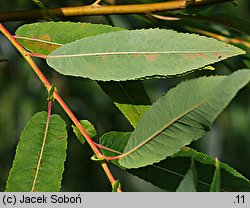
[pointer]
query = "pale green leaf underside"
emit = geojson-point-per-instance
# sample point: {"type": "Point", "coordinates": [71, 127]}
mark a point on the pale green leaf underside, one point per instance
{"type": "Point", "coordinates": [47, 36]}
{"type": "Point", "coordinates": [169, 173]}
{"type": "Point", "coordinates": [126, 55]}
{"type": "Point", "coordinates": [50, 171]}
{"type": "Point", "coordinates": [183, 115]}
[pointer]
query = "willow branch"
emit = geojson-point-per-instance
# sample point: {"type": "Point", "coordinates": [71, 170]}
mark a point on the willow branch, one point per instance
{"type": "Point", "coordinates": [39, 14]}
{"type": "Point", "coordinates": [57, 97]}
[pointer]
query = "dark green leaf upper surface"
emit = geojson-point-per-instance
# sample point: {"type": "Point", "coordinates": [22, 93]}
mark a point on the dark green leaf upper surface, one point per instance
{"type": "Point", "coordinates": [45, 37]}
{"type": "Point", "coordinates": [126, 55]}
{"type": "Point", "coordinates": [169, 173]}
{"type": "Point", "coordinates": [25, 165]}
{"type": "Point", "coordinates": [183, 115]}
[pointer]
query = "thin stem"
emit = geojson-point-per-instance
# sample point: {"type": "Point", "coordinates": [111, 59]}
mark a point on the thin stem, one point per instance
{"type": "Point", "coordinates": [57, 97]}
{"type": "Point", "coordinates": [107, 148]}
{"type": "Point", "coordinates": [109, 175]}
{"type": "Point", "coordinates": [96, 3]}
{"type": "Point", "coordinates": [39, 14]}
{"type": "Point", "coordinates": [23, 52]}
{"type": "Point", "coordinates": [165, 17]}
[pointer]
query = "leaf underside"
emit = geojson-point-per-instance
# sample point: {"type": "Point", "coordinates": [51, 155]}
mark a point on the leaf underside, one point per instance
{"type": "Point", "coordinates": [169, 173]}
{"type": "Point", "coordinates": [126, 55]}
{"type": "Point", "coordinates": [183, 115]}
{"type": "Point", "coordinates": [25, 165]}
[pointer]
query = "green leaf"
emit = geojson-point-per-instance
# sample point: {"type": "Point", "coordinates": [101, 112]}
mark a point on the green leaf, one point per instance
{"type": "Point", "coordinates": [170, 173]}
{"type": "Point", "coordinates": [183, 115]}
{"type": "Point", "coordinates": [126, 55]}
{"type": "Point", "coordinates": [115, 141]}
{"type": "Point", "coordinates": [189, 182]}
{"type": "Point", "coordinates": [30, 148]}
{"type": "Point", "coordinates": [45, 37]}
{"type": "Point", "coordinates": [130, 98]}
{"type": "Point", "coordinates": [215, 186]}
{"type": "Point", "coordinates": [90, 129]}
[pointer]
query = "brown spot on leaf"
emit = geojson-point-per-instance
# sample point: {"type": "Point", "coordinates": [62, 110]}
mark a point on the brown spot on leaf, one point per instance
{"type": "Point", "coordinates": [46, 37]}
{"type": "Point", "coordinates": [188, 56]}
{"type": "Point", "coordinates": [202, 55]}
{"type": "Point", "coordinates": [44, 48]}
{"type": "Point", "coordinates": [104, 56]}
{"type": "Point", "coordinates": [137, 55]}
{"type": "Point", "coordinates": [34, 171]}
{"type": "Point", "coordinates": [185, 149]}
{"type": "Point", "coordinates": [60, 138]}
{"type": "Point", "coordinates": [151, 57]}
{"type": "Point", "coordinates": [217, 54]}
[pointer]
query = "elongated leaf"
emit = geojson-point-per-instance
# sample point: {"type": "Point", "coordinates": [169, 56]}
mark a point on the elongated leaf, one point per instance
{"type": "Point", "coordinates": [215, 186]}
{"type": "Point", "coordinates": [183, 115]}
{"type": "Point", "coordinates": [169, 173]}
{"type": "Point", "coordinates": [126, 55]}
{"type": "Point", "coordinates": [26, 164]}
{"type": "Point", "coordinates": [47, 36]}
{"type": "Point", "coordinates": [130, 98]}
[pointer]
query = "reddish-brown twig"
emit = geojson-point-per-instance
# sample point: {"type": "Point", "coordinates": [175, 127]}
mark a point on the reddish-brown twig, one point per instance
{"type": "Point", "coordinates": [57, 97]}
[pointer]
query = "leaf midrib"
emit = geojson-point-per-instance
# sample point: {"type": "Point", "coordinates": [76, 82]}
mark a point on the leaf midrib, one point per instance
{"type": "Point", "coordinates": [163, 128]}
{"type": "Point", "coordinates": [41, 154]}
{"type": "Point", "coordinates": [180, 175]}
{"type": "Point", "coordinates": [38, 40]}
{"type": "Point", "coordinates": [136, 53]}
